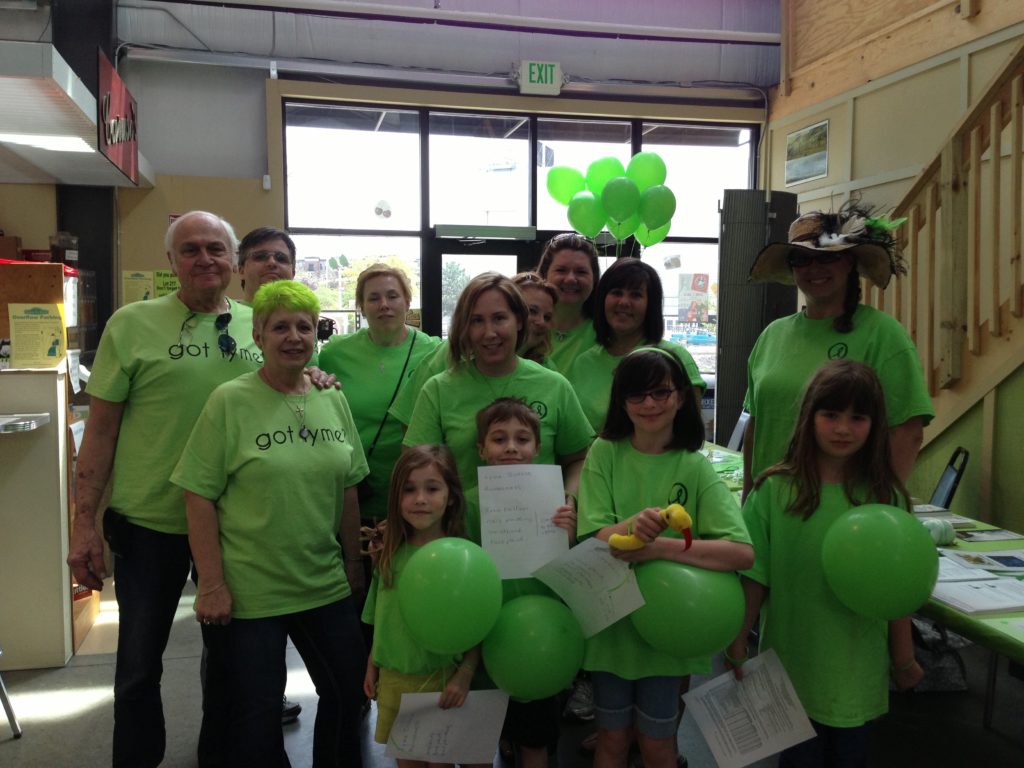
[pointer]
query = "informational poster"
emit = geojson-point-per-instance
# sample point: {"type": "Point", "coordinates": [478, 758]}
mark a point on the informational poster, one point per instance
{"type": "Point", "coordinates": [38, 337]}
{"type": "Point", "coordinates": [164, 282]}
{"type": "Point", "coordinates": [694, 298]}
{"type": "Point", "coordinates": [136, 286]}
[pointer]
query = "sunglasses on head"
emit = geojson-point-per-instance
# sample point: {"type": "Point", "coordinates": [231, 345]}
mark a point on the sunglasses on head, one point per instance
{"type": "Point", "coordinates": [797, 259]}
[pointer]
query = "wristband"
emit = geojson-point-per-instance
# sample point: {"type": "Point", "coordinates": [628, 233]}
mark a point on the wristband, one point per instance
{"type": "Point", "coordinates": [211, 591]}
{"type": "Point", "coordinates": [904, 667]}
{"type": "Point", "coordinates": [734, 662]}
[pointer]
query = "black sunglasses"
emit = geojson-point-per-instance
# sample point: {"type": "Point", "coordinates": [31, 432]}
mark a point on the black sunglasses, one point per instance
{"type": "Point", "coordinates": [224, 341]}
{"type": "Point", "coordinates": [797, 259]}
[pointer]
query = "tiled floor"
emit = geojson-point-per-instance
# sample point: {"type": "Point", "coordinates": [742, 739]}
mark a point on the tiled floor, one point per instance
{"type": "Point", "coordinates": [67, 714]}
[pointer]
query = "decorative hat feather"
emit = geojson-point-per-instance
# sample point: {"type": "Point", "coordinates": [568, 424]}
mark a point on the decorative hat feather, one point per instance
{"type": "Point", "coordinates": [854, 228]}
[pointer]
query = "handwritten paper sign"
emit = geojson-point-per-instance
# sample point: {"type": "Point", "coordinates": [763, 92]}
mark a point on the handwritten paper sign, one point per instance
{"type": "Point", "coordinates": [516, 506]}
{"type": "Point", "coordinates": [466, 734]}
{"type": "Point", "coordinates": [598, 589]}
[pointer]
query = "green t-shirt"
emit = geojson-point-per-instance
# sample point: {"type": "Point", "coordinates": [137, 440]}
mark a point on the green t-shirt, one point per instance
{"type": "Point", "coordinates": [838, 661]}
{"type": "Point", "coordinates": [369, 375]}
{"type": "Point", "coordinates": [618, 481]}
{"type": "Point", "coordinates": [567, 345]}
{"type": "Point", "coordinates": [592, 373]}
{"type": "Point", "coordinates": [162, 366]}
{"type": "Point", "coordinates": [447, 406]}
{"type": "Point", "coordinates": [789, 352]}
{"type": "Point", "coordinates": [279, 496]}
{"type": "Point", "coordinates": [393, 645]}
{"type": "Point", "coordinates": [436, 362]}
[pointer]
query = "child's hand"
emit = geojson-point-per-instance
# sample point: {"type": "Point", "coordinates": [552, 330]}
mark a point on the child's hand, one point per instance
{"type": "Point", "coordinates": [907, 676]}
{"type": "Point", "coordinates": [370, 680]}
{"type": "Point", "coordinates": [735, 656]}
{"type": "Point", "coordinates": [565, 518]}
{"type": "Point", "coordinates": [648, 524]}
{"type": "Point", "coordinates": [454, 694]}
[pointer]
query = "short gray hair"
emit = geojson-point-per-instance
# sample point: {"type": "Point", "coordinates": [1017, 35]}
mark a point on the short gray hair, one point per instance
{"type": "Point", "coordinates": [232, 238]}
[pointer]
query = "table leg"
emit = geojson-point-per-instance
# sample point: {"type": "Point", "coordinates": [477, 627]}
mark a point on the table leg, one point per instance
{"type": "Point", "coordinates": [990, 688]}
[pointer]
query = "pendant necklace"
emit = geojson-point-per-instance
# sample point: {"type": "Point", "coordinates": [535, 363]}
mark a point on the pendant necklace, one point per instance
{"type": "Point", "coordinates": [299, 411]}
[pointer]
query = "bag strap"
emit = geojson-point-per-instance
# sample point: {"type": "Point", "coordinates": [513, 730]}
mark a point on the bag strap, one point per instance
{"type": "Point", "coordinates": [398, 386]}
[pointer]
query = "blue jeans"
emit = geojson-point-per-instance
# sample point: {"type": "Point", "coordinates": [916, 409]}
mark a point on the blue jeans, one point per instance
{"type": "Point", "coordinates": [330, 642]}
{"type": "Point", "coordinates": [150, 569]}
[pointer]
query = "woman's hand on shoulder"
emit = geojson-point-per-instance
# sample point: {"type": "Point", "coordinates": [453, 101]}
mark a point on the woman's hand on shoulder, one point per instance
{"type": "Point", "coordinates": [321, 379]}
{"type": "Point", "coordinates": [214, 606]}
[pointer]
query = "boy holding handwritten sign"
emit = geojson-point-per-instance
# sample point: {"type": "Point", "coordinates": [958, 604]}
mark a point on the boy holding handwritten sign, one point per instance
{"type": "Point", "coordinates": [508, 432]}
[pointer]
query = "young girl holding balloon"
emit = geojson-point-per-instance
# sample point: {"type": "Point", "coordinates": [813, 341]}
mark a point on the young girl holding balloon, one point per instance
{"type": "Point", "coordinates": [425, 503]}
{"type": "Point", "coordinates": [648, 457]}
{"type": "Point", "coordinates": [838, 458]}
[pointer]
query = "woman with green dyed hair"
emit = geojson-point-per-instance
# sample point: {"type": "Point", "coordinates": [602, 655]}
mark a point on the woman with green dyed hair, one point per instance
{"type": "Point", "coordinates": [270, 475]}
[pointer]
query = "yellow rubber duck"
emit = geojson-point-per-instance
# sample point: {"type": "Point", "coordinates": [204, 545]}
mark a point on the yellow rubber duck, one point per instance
{"type": "Point", "coordinates": [675, 515]}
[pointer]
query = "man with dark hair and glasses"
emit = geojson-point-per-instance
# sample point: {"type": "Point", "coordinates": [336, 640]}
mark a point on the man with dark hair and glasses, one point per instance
{"type": "Point", "coordinates": [266, 254]}
{"type": "Point", "coordinates": [157, 363]}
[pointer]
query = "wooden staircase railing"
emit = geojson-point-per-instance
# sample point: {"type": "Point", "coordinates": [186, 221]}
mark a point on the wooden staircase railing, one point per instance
{"type": "Point", "coordinates": [962, 299]}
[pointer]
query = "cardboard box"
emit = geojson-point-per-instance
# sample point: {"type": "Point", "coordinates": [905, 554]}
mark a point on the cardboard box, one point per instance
{"type": "Point", "coordinates": [10, 247]}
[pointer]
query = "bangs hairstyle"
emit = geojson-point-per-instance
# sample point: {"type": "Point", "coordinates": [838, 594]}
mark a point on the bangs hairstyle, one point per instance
{"type": "Point", "coordinates": [503, 409]}
{"type": "Point", "coordinates": [645, 369]}
{"type": "Point", "coordinates": [382, 270]}
{"type": "Point", "coordinates": [458, 332]}
{"type": "Point", "coordinates": [629, 273]}
{"type": "Point", "coordinates": [838, 385]}
{"type": "Point", "coordinates": [398, 531]}
{"type": "Point", "coordinates": [261, 235]}
{"type": "Point", "coordinates": [570, 241]}
{"type": "Point", "coordinates": [283, 294]}
{"type": "Point", "coordinates": [534, 281]}
{"type": "Point", "coordinates": [228, 230]}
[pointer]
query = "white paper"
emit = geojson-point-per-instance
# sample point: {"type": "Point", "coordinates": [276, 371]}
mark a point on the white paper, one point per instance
{"type": "Point", "coordinates": [998, 534]}
{"type": "Point", "coordinates": [993, 596]}
{"type": "Point", "coordinates": [77, 433]}
{"type": "Point", "coordinates": [466, 734]}
{"type": "Point", "coordinates": [517, 503]}
{"type": "Point", "coordinates": [1003, 561]}
{"type": "Point", "coordinates": [951, 570]}
{"type": "Point", "coordinates": [73, 356]}
{"type": "Point", "coordinates": [598, 588]}
{"type": "Point", "coordinates": [744, 721]}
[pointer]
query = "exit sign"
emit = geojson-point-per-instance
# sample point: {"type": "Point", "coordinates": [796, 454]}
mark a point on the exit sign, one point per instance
{"type": "Point", "coordinates": [541, 77]}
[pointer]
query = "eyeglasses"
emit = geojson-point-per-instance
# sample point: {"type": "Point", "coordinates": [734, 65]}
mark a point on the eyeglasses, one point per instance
{"type": "Point", "coordinates": [659, 395]}
{"type": "Point", "coordinates": [262, 256]}
{"type": "Point", "coordinates": [225, 342]}
{"type": "Point", "coordinates": [797, 259]}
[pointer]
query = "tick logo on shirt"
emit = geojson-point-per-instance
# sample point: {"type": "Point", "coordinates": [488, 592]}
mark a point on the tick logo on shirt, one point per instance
{"type": "Point", "coordinates": [838, 351]}
{"type": "Point", "coordinates": [678, 495]}
{"type": "Point", "coordinates": [539, 408]}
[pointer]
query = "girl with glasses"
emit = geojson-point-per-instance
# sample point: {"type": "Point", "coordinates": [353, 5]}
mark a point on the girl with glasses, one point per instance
{"type": "Point", "coordinates": [647, 457]}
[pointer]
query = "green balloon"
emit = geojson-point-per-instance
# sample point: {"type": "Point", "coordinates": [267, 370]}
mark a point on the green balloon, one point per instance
{"type": "Point", "coordinates": [449, 595]}
{"type": "Point", "coordinates": [564, 182]}
{"type": "Point", "coordinates": [620, 198]}
{"type": "Point", "coordinates": [647, 169]}
{"type": "Point", "coordinates": [880, 561]}
{"type": "Point", "coordinates": [534, 649]}
{"type": "Point", "coordinates": [586, 214]}
{"type": "Point", "coordinates": [647, 237]}
{"type": "Point", "coordinates": [600, 172]}
{"type": "Point", "coordinates": [622, 229]}
{"type": "Point", "coordinates": [688, 612]}
{"type": "Point", "coordinates": [657, 204]}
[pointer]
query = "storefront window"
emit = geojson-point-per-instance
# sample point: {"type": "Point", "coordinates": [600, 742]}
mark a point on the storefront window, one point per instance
{"type": "Point", "coordinates": [479, 169]}
{"type": "Point", "coordinates": [352, 168]}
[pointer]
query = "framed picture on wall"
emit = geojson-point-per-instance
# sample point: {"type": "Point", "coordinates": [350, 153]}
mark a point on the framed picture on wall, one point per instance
{"type": "Point", "coordinates": [807, 154]}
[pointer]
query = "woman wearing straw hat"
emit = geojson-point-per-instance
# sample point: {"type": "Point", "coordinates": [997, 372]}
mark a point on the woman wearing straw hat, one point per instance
{"type": "Point", "coordinates": [826, 256]}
